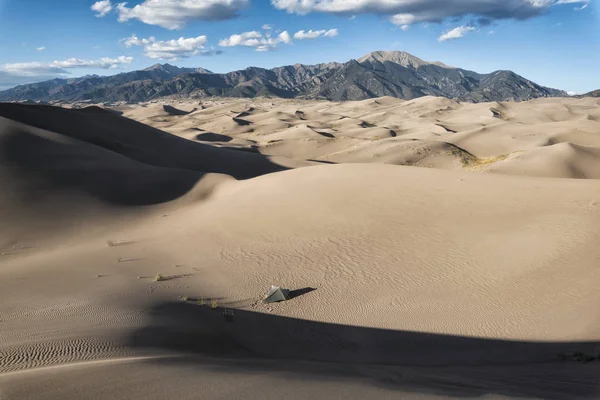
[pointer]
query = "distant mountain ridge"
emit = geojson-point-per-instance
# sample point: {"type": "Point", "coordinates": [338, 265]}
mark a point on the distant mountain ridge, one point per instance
{"type": "Point", "coordinates": [399, 57]}
{"type": "Point", "coordinates": [171, 70]}
{"type": "Point", "coordinates": [397, 74]}
{"type": "Point", "coordinates": [594, 93]}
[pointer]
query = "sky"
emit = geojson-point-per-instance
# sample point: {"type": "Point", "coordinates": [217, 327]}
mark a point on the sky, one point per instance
{"type": "Point", "coordinates": [554, 43]}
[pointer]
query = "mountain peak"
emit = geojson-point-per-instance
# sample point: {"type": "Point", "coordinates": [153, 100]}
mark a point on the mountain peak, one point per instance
{"type": "Point", "coordinates": [174, 70]}
{"type": "Point", "coordinates": [399, 57]}
{"type": "Point", "coordinates": [161, 67]}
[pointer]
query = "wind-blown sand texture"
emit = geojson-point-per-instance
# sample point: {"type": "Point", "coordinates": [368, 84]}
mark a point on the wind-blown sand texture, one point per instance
{"type": "Point", "coordinates": [120, 237]}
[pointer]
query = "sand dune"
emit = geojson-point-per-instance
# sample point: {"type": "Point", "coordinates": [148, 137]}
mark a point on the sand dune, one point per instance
{"type": "Point", "coordinates": [421, 279]}
{"type": "Point", "coordinates": [427, 132]}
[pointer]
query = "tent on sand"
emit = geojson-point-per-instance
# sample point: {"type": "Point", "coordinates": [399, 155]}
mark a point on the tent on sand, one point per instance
{"type": "Point", "coordinates": [277, 294]}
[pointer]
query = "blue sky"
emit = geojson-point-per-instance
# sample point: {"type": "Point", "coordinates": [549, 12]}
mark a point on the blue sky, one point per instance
{"type": "Point", "coordinates": [555, 43]}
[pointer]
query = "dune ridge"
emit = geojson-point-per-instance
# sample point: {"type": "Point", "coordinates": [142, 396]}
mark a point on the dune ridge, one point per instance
{"type": "Point", "coordinates": [509, 138]}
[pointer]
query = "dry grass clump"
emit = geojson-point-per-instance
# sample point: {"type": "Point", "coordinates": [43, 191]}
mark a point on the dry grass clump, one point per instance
{"type": "Point", "coordinates": [469, 160]}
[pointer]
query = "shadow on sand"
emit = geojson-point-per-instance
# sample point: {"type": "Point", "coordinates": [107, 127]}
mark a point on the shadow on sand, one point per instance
{"type": "Point", "coordinates": [408, 361]}
{"type": "Point", "coordinates": [113, 159]}
{"type": "Point", "coordinates": [139, 142]}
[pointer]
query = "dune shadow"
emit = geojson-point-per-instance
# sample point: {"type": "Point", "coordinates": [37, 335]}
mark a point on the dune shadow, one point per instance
{"type": "Point", "coordinates": [241, 122]}
{"type": "Point", "coordinates": [365, 124]}
{"type": "Point", "coordinates": [243, 114]}
{"type": "Point", "coordinates": [112, 110]}
{"type": "Point", "coordinates": [140, 142]}
{"type": "Point", "coordinates": [415, 361]}
{"type": "Point", "coordinates": [175, 111]}
{"type": "Point", "coordinates": [322, 161]}
{"type": "Point", "coordinates": [163, 278]}
{"type": "Point", "coordinates": [327, 135]}
{"type": "Point", "coordinates": [46, 161]}
{"type": "Point", "coordinates": [213, 137]}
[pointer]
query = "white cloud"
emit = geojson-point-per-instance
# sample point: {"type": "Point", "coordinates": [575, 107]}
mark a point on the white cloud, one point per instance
{"type": "Point", "coordinates": [103, 63]}
{"type": "Point", "coordinates": [133, 40]}
{"type": "Point", "coordinates": [285, 37]}
{"type": "Point", "coordinates": [405, 27]}
{"type": "Point", "coordinates": [59, 67]}
{"type": "Point", "coordinates": [168, 49]}
{"type": "Point", "coordinates": [102, 8]}
{"type": "Point", "coordinates": [571, 93]}
{"type": "Point", "coordinates": [331, 33]}
{"type": "Point", "coordinates": [32, 69]}
{"type": "Point", "coordinates": [175, 14]}
{"type": "Point", "coordinates": [300, 35]}
{"type": "Point", "coordinates": [456, 33]}
{"type": "Point", "coordinates": [408, 12]}
{"type": "Point", "coordinates": [257, 40]}
{"type": "Point", "coordinates": [264, 42]}
{"type": "Point", "coordinates": [11, 79]}
{"type": "Point", "coordinates": [22, 73]}
{"type": "Point", "coordinates": [243, 39]}
{"type": "Point", "coordinates": [584, 3]}
{"type": "Point", "coordinates": [308, 35]}
{"type": "Point", "coordinates": [40, 48]}
{"type": "Point", "coordinates": [404, 19]}
{"type": "Point", "coordinates": [267, 27]}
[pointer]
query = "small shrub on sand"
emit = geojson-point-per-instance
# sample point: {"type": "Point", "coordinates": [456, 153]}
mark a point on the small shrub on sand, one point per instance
{"type": "Point", "coordinates": [184, 298]}
{"type": "Point", "coordinates": [159, 278]}
{"type": "Point", "coordinates": [213, 304]}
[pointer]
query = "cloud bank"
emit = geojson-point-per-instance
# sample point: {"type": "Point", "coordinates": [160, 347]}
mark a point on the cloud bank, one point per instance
{"type": "Point", "coordinates": [408, 12]}
{"type": "Point", "coordinates": [59, 67]}
{"type": "Point", "coordinates": [21, 73]}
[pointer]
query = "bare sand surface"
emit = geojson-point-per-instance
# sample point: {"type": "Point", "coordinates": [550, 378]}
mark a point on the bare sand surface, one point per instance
{"type": "Point", "coordinates": [123, 243]}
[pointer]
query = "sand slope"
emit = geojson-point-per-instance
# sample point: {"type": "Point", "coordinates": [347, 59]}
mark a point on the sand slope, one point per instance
{"type": "Point", "coordinates": [410, 282]}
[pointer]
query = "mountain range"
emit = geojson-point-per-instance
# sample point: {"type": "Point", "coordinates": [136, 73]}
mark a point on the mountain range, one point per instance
{"type": "Point", "coordinates": [396, 74]}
